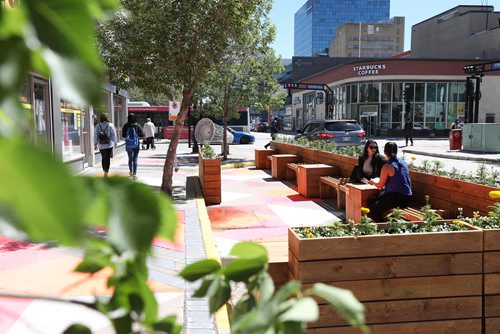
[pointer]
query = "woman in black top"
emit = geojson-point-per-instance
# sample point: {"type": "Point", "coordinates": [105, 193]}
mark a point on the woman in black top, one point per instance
{"type": "Point", "coordinates": [132, 146]}
{"type": "Point", "coordinates": [369, 164]}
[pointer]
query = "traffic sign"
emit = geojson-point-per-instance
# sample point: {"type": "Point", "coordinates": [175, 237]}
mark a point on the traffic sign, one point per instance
{"type": "Point", "coordinates": [303, 85]}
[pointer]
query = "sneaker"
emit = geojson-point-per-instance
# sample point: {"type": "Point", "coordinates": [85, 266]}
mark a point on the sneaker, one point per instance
{"type": "Point", "coordinates": [105, 174]}
{"type": "Point", "coordinates": [130, 174]}
{"type": "Point", "coordinates": [134, 177]}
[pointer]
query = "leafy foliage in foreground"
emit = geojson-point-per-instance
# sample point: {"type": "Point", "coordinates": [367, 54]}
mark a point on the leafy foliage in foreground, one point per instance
{"type": "Point", "coordinates": [262, 309]}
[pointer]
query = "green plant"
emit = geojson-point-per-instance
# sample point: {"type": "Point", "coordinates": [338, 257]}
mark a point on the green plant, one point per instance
{"type": "Point", "coordinates": [207, 151]}
{"type": "Point", "coordinates": [437, 166]}
{"type": "Point", "coordinates": [261, 309]}
{"type": "Point", "coordinates": [396, 223]}
{"type": "Point", "coordinates": [426, 166]}
{"type": "Point", "coordinates": [491, 221]}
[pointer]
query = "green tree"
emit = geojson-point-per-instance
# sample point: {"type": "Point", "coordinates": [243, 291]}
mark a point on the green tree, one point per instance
{"type": "Point", "coordinates": [165, 44]}
{"type": "Point", "coordinates": [155, 99]}
{"type": "Point", "coordinates": [244, 75]}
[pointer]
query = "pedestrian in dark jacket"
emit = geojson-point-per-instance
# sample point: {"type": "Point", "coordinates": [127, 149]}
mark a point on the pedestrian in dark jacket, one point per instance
{"type": "Point", "coordinates": [132, 150]}
{"type": "Point", "coordinates": [275, 127]}
{"type": "Point", "coordinates": [369, 164]}
{"type": "Point", "coordinates": [409, 130]}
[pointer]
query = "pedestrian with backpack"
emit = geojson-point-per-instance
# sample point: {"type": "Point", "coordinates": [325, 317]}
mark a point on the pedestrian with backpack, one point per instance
{"type": "Point", "coordinates": [104, 140]}
{"type": "Point", "coordinates": [131, 132]}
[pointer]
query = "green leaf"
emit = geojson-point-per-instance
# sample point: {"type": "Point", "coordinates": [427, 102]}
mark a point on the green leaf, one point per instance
{"type": "Point", "coordinates": [244, 305]}
{"type": "Point", "coordinates": [240, 270]}
{"type": "Point", "coordinates": [266, 288]}
{"type": "Point", "coordinates": [249, 250]}
{"type": "Point", "coordinates": [39, 196]}
{"type": "Point", "coordinates": [77, 329]}
{"type": "Point", "coordinates": [343, 301]}
{"type": "Point", "coordinates": [199, 269]}
{"type": "Point", "coordinates": [303, 310]}
{"type": "Point", "coordinates": [293, 327]}
{"type": "Point", "coordinates": [219, 293]}
{"type": "Point", "coordinates": [203, 289]}
{"type": "Point", "coordinates": [167, 325]}
{"type": "Point", "coordinates": [89, 266]}
{"type": "Point", "coordinates": [288, 290]}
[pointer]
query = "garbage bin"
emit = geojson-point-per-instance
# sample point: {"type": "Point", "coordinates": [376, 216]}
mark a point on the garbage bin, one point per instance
{"type": "Point", "coordinates": [456, 139]}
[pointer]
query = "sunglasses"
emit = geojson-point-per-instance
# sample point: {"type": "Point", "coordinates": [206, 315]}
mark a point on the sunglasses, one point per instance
{"type": "Point", "coordinates": [373, 147]}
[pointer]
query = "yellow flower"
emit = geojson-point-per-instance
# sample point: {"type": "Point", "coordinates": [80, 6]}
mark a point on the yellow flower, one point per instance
{"type": "Point", "coordinates": [495, 194]}
{"type": "Point", "coordinates": [310, 235]}
{"type": "Point", "coordinates": [413, 158]}
{"type": "Point", "coordinates": [307, 231]}
{"type": "Point", "coordinates": [427, 198]}
{"type": "Point", "coordinates": [458, 222]}
{"type": "Point", "coordinates": [365, 211]}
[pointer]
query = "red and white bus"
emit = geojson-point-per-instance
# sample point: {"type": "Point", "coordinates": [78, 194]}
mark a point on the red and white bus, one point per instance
{"type": "Point", "coordinates": [159, 116]}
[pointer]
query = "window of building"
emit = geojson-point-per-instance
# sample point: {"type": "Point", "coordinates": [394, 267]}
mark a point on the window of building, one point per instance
{"type": "Point", "coordinates": [72, 123]}
{"type": "Point", "coordinates": [419, 92]}
{"type": "Point", "coordinates": [386, 93]}
{"type": "Point", "coordinates": [431, 92]}
{"type": "Point", "coordinates": [397, 92]}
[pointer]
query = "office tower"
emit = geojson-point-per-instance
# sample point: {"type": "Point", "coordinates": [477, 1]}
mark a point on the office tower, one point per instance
{"type": "Point", "coordinates": [317, 20]}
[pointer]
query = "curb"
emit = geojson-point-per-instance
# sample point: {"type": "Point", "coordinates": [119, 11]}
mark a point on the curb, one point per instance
{"type": "Point", "coordinates": [454, 156]}
{"type": "Point", "coordinates": [221, 316]}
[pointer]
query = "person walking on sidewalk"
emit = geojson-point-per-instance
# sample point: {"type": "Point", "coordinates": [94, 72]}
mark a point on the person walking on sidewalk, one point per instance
{"type": "Point", "coordinates": [104, 140]}
{"type": "Point", "coordinates": [456, 125]}
{"type": "Point", "coordinates": [149, 134]}
{"type": "Point", "coordinates": [409, 130]}
{"type": "Point", "coordinates": [131, 131]}
{"type": "Point", "coordinates": [275, 127]}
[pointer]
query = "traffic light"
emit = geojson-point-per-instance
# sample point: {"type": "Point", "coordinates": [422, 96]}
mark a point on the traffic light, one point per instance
{"type": "Point", "coordinates": [291, 85]}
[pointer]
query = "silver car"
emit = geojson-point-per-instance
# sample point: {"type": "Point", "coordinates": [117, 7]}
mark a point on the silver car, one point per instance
{"type": "Point", "coordinates": [344, 132]}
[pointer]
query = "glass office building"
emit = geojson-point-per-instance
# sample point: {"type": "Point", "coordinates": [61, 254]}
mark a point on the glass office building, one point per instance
{"type": "Point", "coordinates": [317, 20]}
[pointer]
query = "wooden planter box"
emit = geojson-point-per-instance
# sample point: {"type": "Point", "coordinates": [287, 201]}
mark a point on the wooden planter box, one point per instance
{"type": "Point", "coordinates": [411, 283]}
{"type": "Point", "coordinates": [492, 280]}
{"type": "Point", "coordinates": [210, 179]}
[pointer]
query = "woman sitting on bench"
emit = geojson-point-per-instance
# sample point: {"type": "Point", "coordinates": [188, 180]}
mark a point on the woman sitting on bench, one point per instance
{"type": "Point", "coordinates": [395, 179]}
{"type": "Point", "coordinates": [369, 164]}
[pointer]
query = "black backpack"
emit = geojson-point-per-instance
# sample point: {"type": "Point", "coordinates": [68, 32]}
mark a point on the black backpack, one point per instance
{"type": "Point", "coordinates": [102, 135]}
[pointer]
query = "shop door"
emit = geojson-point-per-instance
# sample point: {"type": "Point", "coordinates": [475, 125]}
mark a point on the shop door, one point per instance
{"type": "Point", "coordinates": [368, 120]}
{"type": "Point", "coordinates": [41, 110]}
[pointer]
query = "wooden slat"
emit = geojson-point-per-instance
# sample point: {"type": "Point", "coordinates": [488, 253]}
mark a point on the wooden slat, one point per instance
{"type": "Point", "coordinates": [492, 326]}
{"type": "Point", "coordinates": [492, 284]}
{"type": "Point", "coordinates": [386, 267]}
{"type": "Point", "coordinates": [386, 245]}
{"type": "Point", "coordinates": [491, 240]}
{"type": "Point", "coordinates": [466, 326]}
{"type": "Point", "coordinates": [408, 311]}
{"type": "Point", "coordinates": [492, 306]}
{"type": "Point", "coordinates": [411, 288]}
{"type": "Point", "coordinates": [491, 261]}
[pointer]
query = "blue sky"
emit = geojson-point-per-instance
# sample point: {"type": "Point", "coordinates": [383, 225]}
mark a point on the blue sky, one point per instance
{"type": "Point", "coordinates": [414, 11]}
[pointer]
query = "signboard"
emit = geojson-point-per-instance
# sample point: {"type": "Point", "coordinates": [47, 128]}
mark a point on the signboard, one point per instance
{"type": "Point", "coordinates": [369, 69]}
{"type": "Point", "coordinates": [173, 108]}
{"type": "Point", "coordinates": [303, 85]}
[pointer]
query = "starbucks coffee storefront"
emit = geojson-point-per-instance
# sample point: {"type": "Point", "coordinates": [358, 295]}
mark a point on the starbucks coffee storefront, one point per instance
{"type": "Point", "coordinates": [381, 94]}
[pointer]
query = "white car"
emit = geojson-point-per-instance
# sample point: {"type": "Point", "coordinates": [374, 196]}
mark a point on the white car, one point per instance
{"type": "Point", "coordinates": [418, 126]}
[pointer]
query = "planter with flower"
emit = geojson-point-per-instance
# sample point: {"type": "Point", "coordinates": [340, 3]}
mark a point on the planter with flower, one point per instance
{"type": "Point", "coordinates": [210, 174]}
{"type": "Point", "coordinates": [411, 277]}
{"type": "Point", "coordinates": [491, 232]}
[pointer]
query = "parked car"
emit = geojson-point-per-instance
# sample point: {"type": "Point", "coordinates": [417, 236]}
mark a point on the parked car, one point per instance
{"type": "Point", "coordinates": [241, 137]}
{"type": "Point", "coordinates": [261, 127]}
{"type": "Point", "coordinates": [419, 126]}
{"type": "Point", "coordinates": [345, 132]}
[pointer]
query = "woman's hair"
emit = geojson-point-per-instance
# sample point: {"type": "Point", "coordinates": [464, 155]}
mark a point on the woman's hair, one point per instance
{"type": "Point", "coordinates": [104, 117]}
{"type": "Point", "coordinates": [391, 150]}
{"type": "Point", "coordinates": [131, 119]}
{"type": "Point", "coordinates": [367, 144]}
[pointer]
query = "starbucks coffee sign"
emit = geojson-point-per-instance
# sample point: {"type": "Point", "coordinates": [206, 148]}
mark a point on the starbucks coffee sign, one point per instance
{"type": "Point", "coordinates": [369, 69]}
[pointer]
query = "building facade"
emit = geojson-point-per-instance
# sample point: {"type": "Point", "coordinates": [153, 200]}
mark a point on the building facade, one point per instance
{"type": "Point", "coordinates": [67, 127]}
{"type": "Point", "coordinates": [381, 94]}
{"type": "Point", "coordinates": [317, 20]}
{"type": "Point", "coordinates": [379, 40]}
{"type": "Point", "coordinates": [463, 32]}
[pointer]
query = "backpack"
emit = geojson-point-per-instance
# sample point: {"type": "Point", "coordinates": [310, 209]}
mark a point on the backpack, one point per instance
{"type": "Point", "coordinates": [102, 135]}
{"type": "Point", "coordinates": [132, 139]}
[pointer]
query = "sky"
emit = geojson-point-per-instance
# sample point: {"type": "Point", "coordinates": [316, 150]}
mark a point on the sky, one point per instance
{"type": "Point", "coordinates": [414, 11]}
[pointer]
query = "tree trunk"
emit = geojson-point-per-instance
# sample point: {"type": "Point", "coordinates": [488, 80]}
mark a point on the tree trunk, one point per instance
{"type": "Point", "coordinates": [168, 168]}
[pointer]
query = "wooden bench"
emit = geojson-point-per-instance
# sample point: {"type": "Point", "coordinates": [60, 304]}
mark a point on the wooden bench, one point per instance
{"type": "Point", "coordinates": [356, 196]}
{"type": "Point", "coordinates": [291, 170]}
{"type": "Point", "coordinates": [326, 183]}
{"type": "Point", "coordinates": [261, 158]}
{"type": "Point", "coordinates": [308, 178]}
{"type": "Point", "coordinates": [279, 164]}
{"type": "Point", "coordinates": [413, 214]}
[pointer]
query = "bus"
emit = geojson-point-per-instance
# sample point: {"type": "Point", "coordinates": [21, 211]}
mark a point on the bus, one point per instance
{"type": "Point", "coordinates": [159, 116]}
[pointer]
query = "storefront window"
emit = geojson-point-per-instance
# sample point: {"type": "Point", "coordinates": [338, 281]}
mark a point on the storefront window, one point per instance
{"type": "Point", "coordinates": [397, 111]}
{"type": "Point", "coordinates": [397, 92]}
{"type": "Point", "coordinates": [418, 115]}
{"type": "Point", "coordinates": [386, 92]}
{"type": "Point", "coordinates": [72, 118]}
{"type": "Point", "coordinates": [461, 91]}
{"type": "Point", "coordinates": [441, 92]}
{"type": "Point", "coordinates": [385, 112]}
{"type": "Point", "coordinates": [430, 114]}
{"type": "Point", "coordinates": [354, 93]}
{"type": "Point", "coordinates": [431, 92]}
{"type": "Point", "coordinates": [453, 92]}
{"type": "Point", "coordinates": [419, 92]}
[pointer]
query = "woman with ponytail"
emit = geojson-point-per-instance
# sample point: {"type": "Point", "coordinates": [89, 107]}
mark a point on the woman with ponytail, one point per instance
{"type": "Point", "coordinates": [394, 182]}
